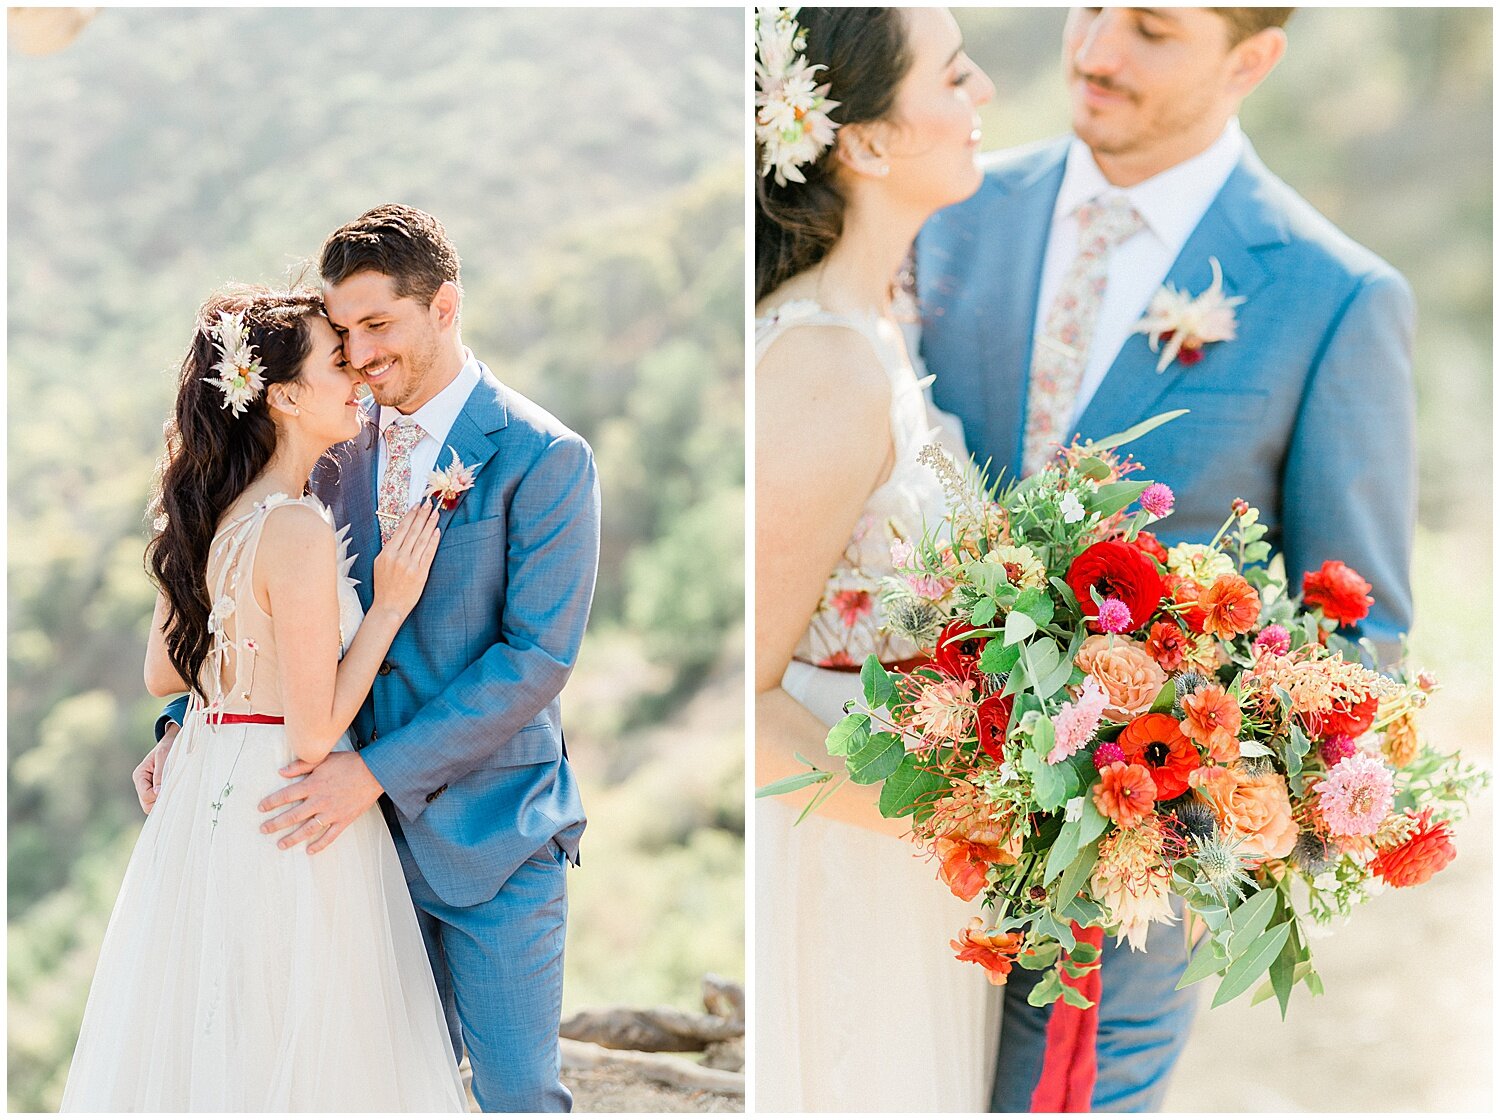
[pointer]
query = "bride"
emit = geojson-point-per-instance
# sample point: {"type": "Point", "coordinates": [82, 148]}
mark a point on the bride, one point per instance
{"type": "Point", "coordinates": [860, 1007]}
{"type": "Point", "coordinates": [234, 975]}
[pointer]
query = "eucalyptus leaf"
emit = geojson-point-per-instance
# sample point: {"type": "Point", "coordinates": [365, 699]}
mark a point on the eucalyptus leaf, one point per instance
{"type": "Point", "coordinates": [1064, 850]}
{"type": "Point", "coordinates": [1120, 439]}
{"type": "Point", "coordinates": [1036, 604]}
{"type": "Point", "coordinates": [1077, 873]}
{"type": "Point", "coordinates": [1047, 783]}
{"type": "Point", "coordinates": [983, 611]}
{"type": "Point", "coordinates": [1018, 627]}
{"type": "Point", "coordinates": [793, 783]}
{"type": "Point", "coordinates": [1208, 960]}
{"type": "Point", "coordinates": [1046, 991]}
{"type": "Point", "coordinates": [1250, 918]}
{"type": "Point", "coordinates": [1112, 497]}
{"type": "Point", "coordinates": [1249, 966]}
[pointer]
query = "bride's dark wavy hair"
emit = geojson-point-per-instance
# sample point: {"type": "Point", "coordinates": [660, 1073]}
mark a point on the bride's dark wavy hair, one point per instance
{"type": "Point", "coordinates": [212, 455]}
{"type": "Point", "coordinates": [866, 54]}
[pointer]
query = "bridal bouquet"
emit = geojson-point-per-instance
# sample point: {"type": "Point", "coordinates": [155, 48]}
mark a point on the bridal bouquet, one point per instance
{"type": "Point", "coordinates": [1104, 721]}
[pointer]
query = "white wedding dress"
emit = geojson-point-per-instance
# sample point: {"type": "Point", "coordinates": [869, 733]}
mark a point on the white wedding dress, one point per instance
{"type": "Point", "coordinates": [239, 977]}
{"type": "Point", "coordinates": [860, 1004]}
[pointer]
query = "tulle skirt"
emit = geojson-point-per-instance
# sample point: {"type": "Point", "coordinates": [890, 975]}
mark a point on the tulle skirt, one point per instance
{"type": "Point", "coordinates": [860, 1005]}
{"type": "Point", "coordinates": [236, 976]}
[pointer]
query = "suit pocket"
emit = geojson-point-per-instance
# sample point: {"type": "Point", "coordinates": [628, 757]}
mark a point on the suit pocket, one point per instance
{"type": "Point", "coordinates": [527, 747]}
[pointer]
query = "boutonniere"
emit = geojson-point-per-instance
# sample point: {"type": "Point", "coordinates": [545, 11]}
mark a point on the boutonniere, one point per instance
{"type": "Point", "coordinates": [1186, 324]}
{"type": "Point", "coordinates": [446, 485]}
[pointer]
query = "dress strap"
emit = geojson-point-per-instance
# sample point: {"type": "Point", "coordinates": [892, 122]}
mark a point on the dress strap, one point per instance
{"type": "Point", "coordinates": [230, 565]}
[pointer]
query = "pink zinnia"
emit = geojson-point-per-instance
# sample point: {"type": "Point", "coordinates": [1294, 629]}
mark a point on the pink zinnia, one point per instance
{"type": "Point", "coordinates": [1114, 616]}
{"type": "Point", "coordinates": [902, 554]}
{"type": "Point", "coordinates": [1157, 499]}
{"type": "Point", "coordinates": [1075, 725]}
{"type": "Point", "coordinates": [929, 586]}
{"type": "Point", "coordinates": [1356, 796]}
{"type": "Point", "coordinates": [1274, 639]}
{"type": "Point", "coordinates": [1336, 748]}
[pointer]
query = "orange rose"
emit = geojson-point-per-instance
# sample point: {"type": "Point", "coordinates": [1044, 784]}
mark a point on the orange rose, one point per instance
{"type": "Point", "coordinates": [1126, 671]}
{"type": "Point", "coordinates": [1256, 807]}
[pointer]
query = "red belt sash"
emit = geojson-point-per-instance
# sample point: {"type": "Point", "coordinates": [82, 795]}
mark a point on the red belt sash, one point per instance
{"type": "Point", "coordinates": [243, 717]}
{"type": "Point", "coordinates": [1069, 1064]}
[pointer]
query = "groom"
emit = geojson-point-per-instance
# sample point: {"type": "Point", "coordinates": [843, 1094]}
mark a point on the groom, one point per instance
{"type": "Point", "coordinates": [1030, 292]}
{"type": "Point", "coordinates": [460, 740]}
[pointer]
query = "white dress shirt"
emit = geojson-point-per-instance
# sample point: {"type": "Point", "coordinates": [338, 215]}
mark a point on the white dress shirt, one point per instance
{"type": "Point", "coordinates": [1171, 204]}
{"type": "Point", "coordinates": [436, 418]}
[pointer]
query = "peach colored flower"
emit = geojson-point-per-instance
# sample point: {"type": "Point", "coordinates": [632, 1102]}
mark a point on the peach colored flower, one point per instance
{"type": "Point", "coordinates": [1212, 720]}
{"type": "Point", "coordinates": [1133, 880]}
{"type": "Point", "coordinates": [1232, 606]}
{"type": "Point", "coordinates": [995, 952]}
{"type": "Point", "coordinates": [968, 836]}
{"type": "Point", "coordinates": [1256, 807]}
{"type": "Point", "coordinates": [1126, 793]}
{"type": "Point", "coordinates": [1400, 743]}
{"type": "Point", "coordinates": [1128, 673]}
{"type": "Point", "coordinates": [945, 709]}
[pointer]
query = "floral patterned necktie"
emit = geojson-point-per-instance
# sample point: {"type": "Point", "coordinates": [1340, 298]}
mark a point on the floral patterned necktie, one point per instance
{"type": "Point", "coordinates": [395, 487]}
{"type": "Point", "coordinates": [1062, 349]}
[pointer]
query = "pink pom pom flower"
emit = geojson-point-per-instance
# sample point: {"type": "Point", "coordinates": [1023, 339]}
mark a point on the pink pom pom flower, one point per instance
{"type": "Point", "coordinates": [1114, 616]}
{"type": "Point", "coordinates": [1336, 748]}
{"type": "Point", "coordinates": [1157, 499]}
{"type": "Point", "coordinates": [1274, 639]}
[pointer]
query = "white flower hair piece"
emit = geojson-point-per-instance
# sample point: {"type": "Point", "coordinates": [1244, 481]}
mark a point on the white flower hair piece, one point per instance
{"type": "Point", "coordinates": [238, 368]}
{"type": "Point", "coordinates": [791, 110]}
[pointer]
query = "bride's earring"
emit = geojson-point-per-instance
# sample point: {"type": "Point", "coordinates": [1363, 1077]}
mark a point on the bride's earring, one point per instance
{"type": "Point", "coordinates": [885, 169]}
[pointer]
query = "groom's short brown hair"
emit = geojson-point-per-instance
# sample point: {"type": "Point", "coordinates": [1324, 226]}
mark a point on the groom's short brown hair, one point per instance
{"type": "Point", "coordinates": [406, 244]}
{"type": "Point", "coordinates": [1245, 22]}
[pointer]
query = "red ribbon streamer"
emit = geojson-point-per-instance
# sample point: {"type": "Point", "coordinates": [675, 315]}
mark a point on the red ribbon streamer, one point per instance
{"type": "Point", "coordinates": [1069, 1063]}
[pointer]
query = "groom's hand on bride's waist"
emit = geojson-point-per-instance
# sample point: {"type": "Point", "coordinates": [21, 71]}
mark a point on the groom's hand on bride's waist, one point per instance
{"type": "Point", "coordinates": [323, 803]}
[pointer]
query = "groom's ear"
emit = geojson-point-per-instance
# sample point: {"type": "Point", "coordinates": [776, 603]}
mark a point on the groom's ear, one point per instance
{"type": "Point", "coordinates": [1253, 58]}
{"type": "Point", "coordinates": [445, 304]}
{"type": "Point", "coordinates": [862, 149]}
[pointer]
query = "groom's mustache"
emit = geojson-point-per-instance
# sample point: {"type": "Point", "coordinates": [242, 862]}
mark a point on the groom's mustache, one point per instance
{"type": "Point", "coordinates": [1103, 82]}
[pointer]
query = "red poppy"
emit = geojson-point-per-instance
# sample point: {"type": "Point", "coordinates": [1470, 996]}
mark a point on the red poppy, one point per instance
{"type": "Point", "coordinates": [1116, 570]}
{"type": "Point", "coordinates": [1156, 742]}
{"type": "Point", "coordinates": [955, 657]}
{"type": "Point", "coordinates": [994, 718]}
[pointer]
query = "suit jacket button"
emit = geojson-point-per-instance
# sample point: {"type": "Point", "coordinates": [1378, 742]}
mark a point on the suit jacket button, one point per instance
{"type": "Point", "coordinates": [374, 735]}
{"type": "Point", "coordinates": [385, 668]}
{"type": "Point", "coordinates": [433, 796]}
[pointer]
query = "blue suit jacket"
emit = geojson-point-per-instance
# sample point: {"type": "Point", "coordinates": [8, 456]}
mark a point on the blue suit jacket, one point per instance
{"type": "Point", "coordinates": [463, 726]}
{"type": "Point", "coordinates": [1309, 414]}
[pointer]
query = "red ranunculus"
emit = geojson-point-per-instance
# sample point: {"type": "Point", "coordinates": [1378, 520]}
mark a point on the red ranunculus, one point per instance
{"type": "Point", "coordinates": [994, 717]}
{"type": "Point", "coordinates": [954, 656]}
{"type": "Point", "coordinates": [1340, 591]}
{"type": "Point", "coordinates": [1117, 570]}
{"type": "Point", "coordinates": [1152, 547]}
{"type": "Point", "coordinates": [1342, 719]}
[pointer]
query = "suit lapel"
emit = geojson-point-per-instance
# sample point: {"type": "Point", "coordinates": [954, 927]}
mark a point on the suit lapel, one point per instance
{"type": "Point", "coordinates": [483, 414]}
{"type": "Point", "coordinates": [1233, 230]}
{"type": "Point", "coordinates": [1031, 204]}
{"type": "Point", "coordinates": [356, 485]}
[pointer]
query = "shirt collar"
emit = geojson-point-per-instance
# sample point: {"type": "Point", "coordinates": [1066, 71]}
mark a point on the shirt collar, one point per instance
{"type": "Point", "coordinates": [1171, 202]}
{"type": "Point", "coordinates": [437, 416]}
